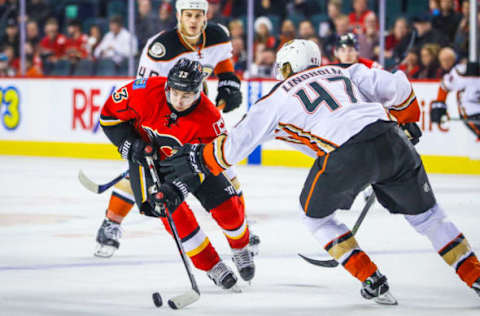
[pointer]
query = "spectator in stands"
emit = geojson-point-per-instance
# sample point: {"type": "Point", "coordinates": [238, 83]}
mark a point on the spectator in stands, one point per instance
{"type": "Point", "coordinates": [12, 37]}
{"type": "Point", "coordinates": [234, 8]}
{"type": "Point", "coordinates": [117, 44]}
{"type": "Point", "coordinates": [306, 29]}
{"type": "Point", "coordinates": [410, 64]}
{"type": "Point", "coordinates": [429, 68]}
{"type": "Point", "coordinates": [357, 17]}
{"type": "Point", "coordinates": [236, 29]}
{"type": "Point", "coordinates": [94, 38]}
{"type": "Point", "coordinates": [76, 47]}
{"type": "Point", "coordinates": [214, 13]}
{"type": "Point", "coordinates": [304, 8]}
{"type": "Point", "coordinates": [9, 53]}
{"type": "Point", "coordinates": [4, 70]}
{"type": "Point", "coordinates": [263, 66]}
{"type": "Point", "coordinates": [52, 46]}
{"type": "Point", "coordinates": [239, 55]}
{"type": "Point", "coordinates": [146, 23]}
{"type": "Point", "coordinates": [448, 20]}
{"type": "Point", "coordinates": [38, 10]}
{"type": "Point", "coordinates": [33, 34]}
{"type": "Point", "coordinates": [8, 10]}
{"type": "Point", "coordinates": [166, 20]}
{"type": "Point", "coordinates": [368, 41]}
{"type": "Point", "coordinates": [424, 33]}
{"type": "Point", "coordinates": [462, 36]}
{"type": "Point", "coordinates": [399, 32]}
{"type": "Point", "coordinates": [270, 7]}
{"type": "Point", "coordinates": [287, 32]}
{"type": "Point", "coordinates": [342, 25]}
{"type": "Point", "coordinates": [447, 59]}
{"type": "Point", "coordinates": [263, 30]}
{"type": "Point", "coordinates": [334, 10]}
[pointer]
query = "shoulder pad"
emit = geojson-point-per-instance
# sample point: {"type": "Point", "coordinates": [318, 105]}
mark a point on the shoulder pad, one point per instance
{"type": "Point", "coordinates": [215, 34]}
{"type": "Point", "coordinates": [165, 46]}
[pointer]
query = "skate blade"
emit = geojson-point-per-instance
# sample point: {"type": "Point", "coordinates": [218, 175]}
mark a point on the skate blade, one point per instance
{"type": "Point", "coordinates": [386, 299]}
{"type": "Point", "coordinates": [103, 251]}
{"type": "Point", "coordinates": [235, 289]}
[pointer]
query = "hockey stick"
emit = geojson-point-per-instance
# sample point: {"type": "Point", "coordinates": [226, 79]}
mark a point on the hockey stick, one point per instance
{"type": "Point", "coordinates": [332, 263]}
{"type": "Point", "coordinates": [465, 120]}
{"type": "Point", "coordinates": [99, 188]}
{"type": "Point", "coordinates": [192, 295]}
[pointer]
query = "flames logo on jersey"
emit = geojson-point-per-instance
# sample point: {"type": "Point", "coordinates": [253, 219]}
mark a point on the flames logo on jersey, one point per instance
{"type": "Point", "coordinates": [166, 144]}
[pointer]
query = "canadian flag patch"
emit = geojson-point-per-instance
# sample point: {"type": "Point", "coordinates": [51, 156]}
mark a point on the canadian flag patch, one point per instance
{"type": "Point", "coordinates": [219, 127]}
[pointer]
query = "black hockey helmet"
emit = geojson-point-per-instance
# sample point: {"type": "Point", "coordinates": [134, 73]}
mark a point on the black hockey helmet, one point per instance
{"type": "Point", "coordinates": [186, 75]}
{"type": "Point", "coordinates": [348, 39]}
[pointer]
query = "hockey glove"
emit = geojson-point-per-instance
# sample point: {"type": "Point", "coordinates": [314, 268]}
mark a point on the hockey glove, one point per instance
{"type": "Point", "coordinates": [228, 92]}
{"type": "Point", "coordinates": [186, 164]}
{"type": "Point", "coordinates": [132, 149]}
{"type": "Point", "coordinates": [413, 132]}
{"type": "Point", "coordinates": [170, 195]}
{"type": "Point", "coordinates": [438, 110]}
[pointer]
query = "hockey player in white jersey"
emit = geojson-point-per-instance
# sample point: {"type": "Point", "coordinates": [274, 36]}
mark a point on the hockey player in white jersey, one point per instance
{"type": "Point", "coordinates": [466, 79]}
{"type": "Point", "coordinates": [194, 39]}
{"type": "Point", "coordinates": [339, 117]}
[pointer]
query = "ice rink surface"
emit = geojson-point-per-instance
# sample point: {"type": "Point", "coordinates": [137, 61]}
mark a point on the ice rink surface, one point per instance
{"type": "Point", "coordinates": [48, 223]}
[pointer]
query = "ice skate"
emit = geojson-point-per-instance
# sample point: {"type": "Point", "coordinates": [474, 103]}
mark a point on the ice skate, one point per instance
{"type": "Point", "coordinates": [223, 276]}
{"type": "Point", "coordinates": [376, 287]}
{"type": "Point", "coordinates": [243, 259]}
{"type": "Point", "coordinates": [476, 286]}
{"type": "Point", "coordinates": [107, 239]}
{"type": "Point", "coordinates": [253, 243]}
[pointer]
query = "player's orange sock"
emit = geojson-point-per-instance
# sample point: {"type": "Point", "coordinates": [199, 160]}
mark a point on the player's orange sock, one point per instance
{"type": "Point", "coordinates": [346, 250]}
{"type": "Point", "coordinates": [230, 216]}
{"type": "Point", "coordinates": [195, 243]}
{"type": "Point", "coordinates": [459, 255]}
{"type": "Point", "coordinates": [118, 207]}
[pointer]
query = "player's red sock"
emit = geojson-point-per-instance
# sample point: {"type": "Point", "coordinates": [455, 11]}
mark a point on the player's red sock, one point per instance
{"type": "Point", "coordinates": [195, 243]}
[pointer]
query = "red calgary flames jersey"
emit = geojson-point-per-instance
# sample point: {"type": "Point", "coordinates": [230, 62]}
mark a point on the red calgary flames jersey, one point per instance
{"type": "Point", "coordinates": [143, 105]}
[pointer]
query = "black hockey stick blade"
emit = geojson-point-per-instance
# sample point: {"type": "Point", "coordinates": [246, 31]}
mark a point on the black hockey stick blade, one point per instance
{"type": "Point", "coordinates": [332, 263]}
{"type": "Point", "coordinates": [99, 188]}
{"type": "Point", "coordinates": [322, 263]}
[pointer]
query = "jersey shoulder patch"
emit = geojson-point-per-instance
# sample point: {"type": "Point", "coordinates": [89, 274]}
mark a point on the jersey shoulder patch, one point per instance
{"type": "Point", "coordinates": [216, 34]}
{"type": "Point", "coordinates": [165, 46]}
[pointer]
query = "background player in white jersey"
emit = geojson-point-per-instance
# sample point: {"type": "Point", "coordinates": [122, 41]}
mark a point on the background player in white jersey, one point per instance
{"type": "Point", "coordinates": [210, 45]}
{"type": "Point", "coordinates": [466, 80]}
{"type": "Point", "coordinates": [337, 116]}
{"type": "Point", "coordinates": [195, 39]}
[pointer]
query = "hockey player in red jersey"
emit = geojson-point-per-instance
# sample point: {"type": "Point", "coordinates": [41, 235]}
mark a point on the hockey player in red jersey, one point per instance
{"type": "Point", "coordinates": [337, 116]}
{"type": "Point", "coordinates": [210, 45]}
{"type": "Point", "coordinates": [346, 51]}
{"type": "Point", "coordinates": [168, 113]}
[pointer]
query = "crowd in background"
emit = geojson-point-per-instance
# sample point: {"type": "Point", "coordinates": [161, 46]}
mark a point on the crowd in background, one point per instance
{"type": "Point", "coordinates": [425, 38]}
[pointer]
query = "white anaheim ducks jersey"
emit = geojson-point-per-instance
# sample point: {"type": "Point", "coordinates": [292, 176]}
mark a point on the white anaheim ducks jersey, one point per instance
{"type": "Point", "coordinates": [316, 111]}
{"type": "Point", "coordinates": [454, 80]}
{"type": "Point", "coordinates": [164, 49]}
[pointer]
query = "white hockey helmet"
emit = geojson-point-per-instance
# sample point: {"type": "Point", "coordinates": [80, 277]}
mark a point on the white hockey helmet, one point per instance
{"type": "Point", "coordinates": [191, 5]}
{"type": "Point", "coordinates": [300, 54]}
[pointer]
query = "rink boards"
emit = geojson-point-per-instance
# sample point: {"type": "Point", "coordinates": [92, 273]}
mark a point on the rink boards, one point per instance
{"type": "Point", "coordinates": [60, 118]}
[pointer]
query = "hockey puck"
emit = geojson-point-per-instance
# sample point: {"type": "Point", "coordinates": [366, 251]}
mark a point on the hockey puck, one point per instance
{"type": "Point", "coordinates": [157, 299]}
